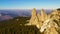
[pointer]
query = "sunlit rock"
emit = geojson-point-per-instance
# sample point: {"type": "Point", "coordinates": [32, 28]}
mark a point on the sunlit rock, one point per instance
{"type": "Point", "coordinates": [51, 28]}
{"type": "Point", "coordinates": [45, 23]}
{"type": "Point", "coordinates": [34, 19]}
{"type": "Point", "coordinates": [43, 15]}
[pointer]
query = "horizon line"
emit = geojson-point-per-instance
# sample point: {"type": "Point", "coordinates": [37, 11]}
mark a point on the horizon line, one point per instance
{"type": "Point", "coordinates": [25, 8]}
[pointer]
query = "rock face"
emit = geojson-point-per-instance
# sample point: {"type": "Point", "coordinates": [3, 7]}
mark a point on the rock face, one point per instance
{"type": "Point", "coordinates": [43, 15]}
{"type": "Point", "coordinates": [49, 27]}
{"type": "Point", "coordinates": [45, 22]}
{"type": "Point", "coordinates": [33, 19]}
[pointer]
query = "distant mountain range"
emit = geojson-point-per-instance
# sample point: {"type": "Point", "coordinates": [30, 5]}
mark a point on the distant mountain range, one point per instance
{"type": "Point", "coordinates": [9, 14]}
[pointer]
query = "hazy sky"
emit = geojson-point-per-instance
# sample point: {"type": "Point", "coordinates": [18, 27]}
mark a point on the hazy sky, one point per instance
{"type": "Point", "coordinates": [29, 4]}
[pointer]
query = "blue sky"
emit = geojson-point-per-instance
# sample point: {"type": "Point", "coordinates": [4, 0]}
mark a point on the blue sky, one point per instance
{"type": "Point", "coordinates": [29, 4]}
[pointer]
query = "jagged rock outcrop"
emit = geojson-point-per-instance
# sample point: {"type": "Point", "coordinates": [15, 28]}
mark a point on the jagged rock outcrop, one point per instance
{"type": "Point", "coordinates": [43, 15]}
{"type": "Point", "coordinates": [52, 26]}
{"type": "Point", "coordinates": [45, 22]}
{"type": "Point", "coordinates": [49, 27]}
{"type": "Point", "coordinates": [33, 19]}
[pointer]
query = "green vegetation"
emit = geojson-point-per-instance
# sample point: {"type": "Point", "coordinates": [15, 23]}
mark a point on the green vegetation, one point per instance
{"type": "Point", "coordinates": [13, 26]}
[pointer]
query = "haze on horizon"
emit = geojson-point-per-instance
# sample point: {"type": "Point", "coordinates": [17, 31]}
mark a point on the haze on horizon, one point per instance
{"type": "Point", "coordinates": [29, 4]}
